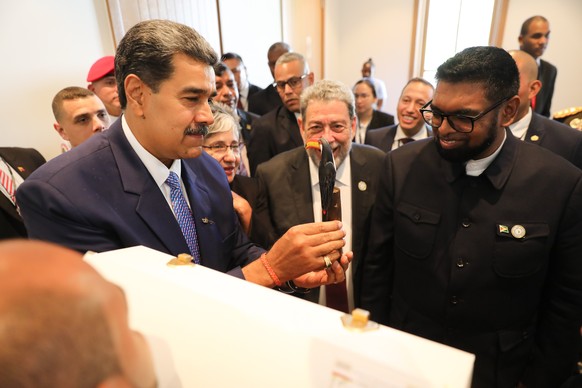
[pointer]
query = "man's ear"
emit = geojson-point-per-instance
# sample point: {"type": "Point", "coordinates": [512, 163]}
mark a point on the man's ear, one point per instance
{"type": "Point", "coordinates": [61, 131]}
{"type": "Point", "coordinates": [534, 88]}
{"type": "Point", "coordinates": [135, 91]}
{"type": "Point", "coordinates": [509, 111]}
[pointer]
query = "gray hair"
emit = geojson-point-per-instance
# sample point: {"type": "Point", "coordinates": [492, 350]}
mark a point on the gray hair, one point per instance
{"type": "Point", "coordinates": [326, 90]}
{"type": "Point", "coordinates": [224, 120]}
{"type": "Point", "coordinates": [291, 57]}
{"type": "Point", "coordinates": [148, 49]}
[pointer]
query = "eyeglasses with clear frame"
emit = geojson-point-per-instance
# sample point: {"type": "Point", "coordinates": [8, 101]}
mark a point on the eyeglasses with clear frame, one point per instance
{"type": "Point", "coordinates": [221, 148]}
{"type": "Point", "coordinates": [293, 82]}
{"type": "Point", "coordinates": [460, 123]}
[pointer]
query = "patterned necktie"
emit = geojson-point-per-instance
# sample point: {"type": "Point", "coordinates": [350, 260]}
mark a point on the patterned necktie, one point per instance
{"type": "Point", "coordinates": [183, 215]}
{"type": "Point", "coordinates": [8, 183]}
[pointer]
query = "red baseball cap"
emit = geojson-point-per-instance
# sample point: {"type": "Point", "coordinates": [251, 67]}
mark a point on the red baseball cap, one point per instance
{"type": "Point", "coordinates": [101, 68]}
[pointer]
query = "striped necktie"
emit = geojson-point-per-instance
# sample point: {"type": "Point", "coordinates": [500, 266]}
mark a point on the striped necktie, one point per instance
{"type": "Point", "coordinates": [183, 215]}
{"type": "Point", "coordinates": [8, 183]}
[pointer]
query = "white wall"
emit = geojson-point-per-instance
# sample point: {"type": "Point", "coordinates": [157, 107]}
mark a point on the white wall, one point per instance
{"type": "Point", "coordinates": [250, 33]}
{"type": "Point", "coordinates": [46, 46]}
{"type": "Point", "coordinates": [358, 30]}
{"type": "Point", "coordinates": [564, 47]}
{"type": "Point", "coordinates": [50, 44]}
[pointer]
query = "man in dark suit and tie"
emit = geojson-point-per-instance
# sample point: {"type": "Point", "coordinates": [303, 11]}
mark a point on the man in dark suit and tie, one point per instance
{"type": "Point", "coordinates": [533, 39]}
{"type": "Point", "coordinates": [278, 131]}
{"type": "Point", "coordinates": [535, 128]}
{"type": "Point", "coordinates": [475, 236]}
{"type": "Point", "coordinates": [289, 182]}
{"type": "Point", "coordinates": [147, 182]}
{"type": "Point", "coordinates": [268, 99]}
{"type": "Point", "coordinates": [16, 164]}
{"type": "Point", "coordinates": [239, 70]}
{"type": "Point", "coordinates": [411, 126]}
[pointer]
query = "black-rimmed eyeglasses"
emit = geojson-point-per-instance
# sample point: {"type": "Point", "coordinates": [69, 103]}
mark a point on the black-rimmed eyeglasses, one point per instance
{"type": "Point", "coordinates": [460, 123]}
{"type": "Point", "coordinates": [293, 82]}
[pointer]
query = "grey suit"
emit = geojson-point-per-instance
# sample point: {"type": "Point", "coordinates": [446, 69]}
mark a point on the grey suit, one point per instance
{"type": "Point", "coordinates": [285, 199]}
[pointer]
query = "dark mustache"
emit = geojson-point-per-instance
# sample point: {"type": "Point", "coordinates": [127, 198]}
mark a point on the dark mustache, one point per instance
{"type": "Point", "coordinates": [198, 130]}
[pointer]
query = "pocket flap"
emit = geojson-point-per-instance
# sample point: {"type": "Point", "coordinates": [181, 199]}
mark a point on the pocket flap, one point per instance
{"type": "Point", "coordinates": [418, 215]}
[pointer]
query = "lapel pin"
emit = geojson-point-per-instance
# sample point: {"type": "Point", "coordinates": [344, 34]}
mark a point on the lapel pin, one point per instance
{"type": "Point", "coordinates": [534, 138]}
{"type": "Point", "coordinates": [205, 220]}
{"type": "Point", "coordinates": [362, 186]}
{"type": "Point", "coordinates": [21, 169]}
{"type": "Point", "coordinates": [518, 231]}
{"type": "Point", "coordinates": [503, 229]}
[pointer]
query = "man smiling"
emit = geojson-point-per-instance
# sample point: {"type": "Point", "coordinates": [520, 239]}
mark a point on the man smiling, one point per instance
{"type": "Point", "coordinates": [147, 182]}
{"type": "Point", "coordinates": [475, 237]}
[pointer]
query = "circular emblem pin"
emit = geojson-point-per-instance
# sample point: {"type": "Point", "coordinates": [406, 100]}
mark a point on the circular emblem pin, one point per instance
{"type": "Point", "coordinates": [518, 231]}
{"type": "Point", "coordinates": [362, 186]}
{"type": "Point", "coordinates": [535, 138]}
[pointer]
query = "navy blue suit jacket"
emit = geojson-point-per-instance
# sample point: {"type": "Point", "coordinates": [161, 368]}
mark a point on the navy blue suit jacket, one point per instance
{"type": "Point", "coordinates": [99, 196]}
{"type": "Point", "coordinates": [556, 137]}
{"type": "Point", "coordinates": [547, 73]}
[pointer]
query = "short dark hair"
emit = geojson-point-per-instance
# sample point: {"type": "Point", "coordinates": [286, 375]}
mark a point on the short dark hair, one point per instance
{"type": "Point", "coordinates": [528, 22]}
{"type": "Point", "coordinates": [220, 68]}
{"type": "Point", "coordinates": [368, 82]}
{"type": "Point", "coordinates": [489, 66]}
{"type": "Point", "coordinates": [419, 80]}
{"type": "Point", "coordinates": [67, 94]}
{"type": "Point", "coordinates": [148, 48]}
{"type": "Point", "coordinates": [227, 56]}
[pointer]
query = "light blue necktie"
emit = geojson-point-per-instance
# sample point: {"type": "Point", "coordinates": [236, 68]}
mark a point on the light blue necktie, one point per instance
{"type": "Point", "coordinates": [183, 215]}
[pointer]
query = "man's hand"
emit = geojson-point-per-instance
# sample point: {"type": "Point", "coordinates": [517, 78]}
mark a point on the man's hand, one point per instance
{"type": "Point", "coordinates": [334, 274]}
{"type": "Point", "coordinates": [303, 248]}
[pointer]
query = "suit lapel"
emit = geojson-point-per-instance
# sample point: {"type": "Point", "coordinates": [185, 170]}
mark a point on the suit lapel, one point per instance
{"type": "Point", "coordinates": [290, 125]}
{"type": "Point", "coordinates": [535, 132]}
{"type": "Point", "coordinates": [150, 204]}
{"type": "Point", "coordinates": [361, 200]}
{"type": "Point", "coordinates": [389, 139]}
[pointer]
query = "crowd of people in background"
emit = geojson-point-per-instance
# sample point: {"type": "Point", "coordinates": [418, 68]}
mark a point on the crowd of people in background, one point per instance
{"type": "Point", "coordinates": [461, 215]}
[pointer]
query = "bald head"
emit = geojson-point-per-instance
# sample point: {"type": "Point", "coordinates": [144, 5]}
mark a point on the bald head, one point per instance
{"type": "Point", "coordinates": [529, 85]}
{"type": "Point", "coordinates": [525, 63]}
{"type": "Point", "coordinates": [62, 324]}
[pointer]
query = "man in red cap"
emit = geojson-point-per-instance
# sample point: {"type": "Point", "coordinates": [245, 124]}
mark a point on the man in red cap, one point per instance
{"type": "Point", "coordinates": [101, 80]}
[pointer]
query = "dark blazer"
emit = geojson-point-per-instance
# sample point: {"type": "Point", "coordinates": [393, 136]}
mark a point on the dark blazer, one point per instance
{"type": "Point", "coordinates": [273, 133]}
{"type": "Point", "coordinates": [285, 199]}
{"type": "Point", "coordinates": [246, 124]}
{"type": "Point", "coordinates": [264, 101]}
{"type": "Point", "coordinates": [253, 89]}
{"type": "Point", "coordinates": [246, 187]}
{"type": "Point", "coordinates": [24, 161]}
{"type": "Point", "coordinates": [99, 196]}
{"type": "Point", "coordinates": [556, 137]}
{"type": "Point", "coordinates": [447, 260]}
{"type": "Point", "coordinates": [547, 73]}
{"type": "Point", "coordinates": [383, 138]}
{"type": "Point", "coordinates": [380, 119]}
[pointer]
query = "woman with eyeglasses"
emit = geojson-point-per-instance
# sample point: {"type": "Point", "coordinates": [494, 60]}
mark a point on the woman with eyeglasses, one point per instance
{"type": "Point", "coordinates": [368, 117]}
{"type": "Point", "coordinates": [223, 143]}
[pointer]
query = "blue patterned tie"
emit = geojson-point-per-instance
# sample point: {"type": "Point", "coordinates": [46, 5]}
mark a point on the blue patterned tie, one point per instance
{"type": "Point", "coordinates": [183, 215]}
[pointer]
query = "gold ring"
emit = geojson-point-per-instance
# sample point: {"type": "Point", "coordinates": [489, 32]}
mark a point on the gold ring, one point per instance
{"type": "Point", "coordinates": [327, 261]}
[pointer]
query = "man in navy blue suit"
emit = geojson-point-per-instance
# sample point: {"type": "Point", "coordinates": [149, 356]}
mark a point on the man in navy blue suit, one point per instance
{"type": "Point", "coordinates": [534, 128]}
{"type": "Point", "coordinates": [113, 191]}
